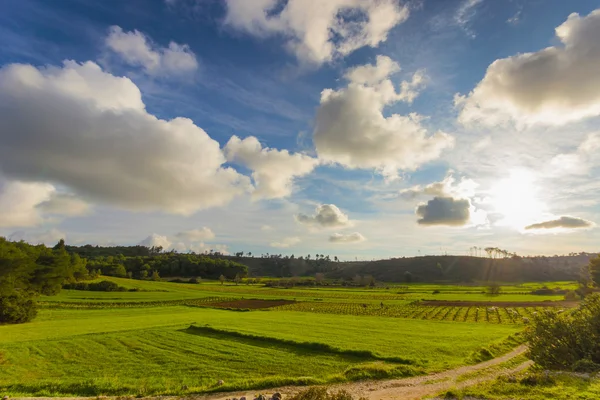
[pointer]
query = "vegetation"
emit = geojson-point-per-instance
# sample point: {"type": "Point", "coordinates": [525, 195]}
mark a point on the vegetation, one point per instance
{"type": "Point", "coordinates": [109, 323]}
{"type": "Point", "coordinates": [119, 351]}
{"type": "Point", "coordinates": [530, 385]}
{"type": "Point", "coordinates": [27, 271]}
{"type": "Point", "coordinates": [567, 341]}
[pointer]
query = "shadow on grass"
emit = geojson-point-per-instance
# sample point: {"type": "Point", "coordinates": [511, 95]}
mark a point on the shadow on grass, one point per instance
{"type": "Point", "coordinates": [300, 347]}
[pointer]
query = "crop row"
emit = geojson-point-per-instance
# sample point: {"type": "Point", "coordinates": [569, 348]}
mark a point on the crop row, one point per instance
{"type": "Point", "coordinates": [495, 315]}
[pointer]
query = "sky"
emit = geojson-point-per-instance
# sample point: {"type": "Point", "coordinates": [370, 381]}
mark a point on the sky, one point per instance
{"type": "Point", "coordinates": [361, 129]}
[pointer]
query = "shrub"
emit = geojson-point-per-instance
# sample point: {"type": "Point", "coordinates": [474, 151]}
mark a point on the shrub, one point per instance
{"type": "Point", "coordinates": [17, 308]}
{"type": "Point", "coordinates": [321, 393]}
{"type": "Point", "coordinates": [103, 286]}
{"type": "Point", "coordinates": [571, 295]}
{"type": "Point", "coordinates": [567, 341]}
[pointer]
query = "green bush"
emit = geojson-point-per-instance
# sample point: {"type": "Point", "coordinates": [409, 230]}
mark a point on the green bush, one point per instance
{"type": "Point", "coordinates": [321, 393]}
{"type": "Point", "coordinates": [17, 308]}
{"type": "Point", "coordinates": [567, 340]}
{"type": "Point", "coordinates": [103, 286]}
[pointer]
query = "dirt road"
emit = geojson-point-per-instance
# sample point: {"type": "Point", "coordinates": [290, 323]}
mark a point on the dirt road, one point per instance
{"type": "Point", "coordinates": [406, 388]}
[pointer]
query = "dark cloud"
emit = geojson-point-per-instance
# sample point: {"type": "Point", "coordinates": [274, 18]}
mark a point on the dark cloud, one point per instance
{"type": "Point", "coordinates": [444, 211]}
{"type": "Point", "coordinates": [562, 222]}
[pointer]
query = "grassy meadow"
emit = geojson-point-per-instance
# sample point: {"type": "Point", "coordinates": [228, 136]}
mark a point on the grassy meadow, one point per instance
{"type": "Point", "coordinates": [167, 338]}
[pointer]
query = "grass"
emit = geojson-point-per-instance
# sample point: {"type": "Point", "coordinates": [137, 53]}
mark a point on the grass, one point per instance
{"type": "Point", "coordinates": [533, 386]}
{"type": "Point", "coordinates": [141, 343]}
{"type": "Point", "coordinates": [166, 291]}
{"type": "Point", "coordinates": [152, 350]}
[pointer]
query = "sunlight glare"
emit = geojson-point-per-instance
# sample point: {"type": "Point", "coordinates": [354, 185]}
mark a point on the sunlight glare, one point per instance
{"type": "Point", "coordinates": [515, 198]}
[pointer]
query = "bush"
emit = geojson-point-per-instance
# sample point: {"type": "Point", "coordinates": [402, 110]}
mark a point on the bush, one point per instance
{"type": "Point", "coordinates": [567, 340]}
{"type": "Point", "coordinates": [321, 393]}
{"type": "Point", "coordinates": [17, 308]}
{"type": "Point", "coordinates": [571, 295]}
{"type": "Point", "coordinates": [104, 286]}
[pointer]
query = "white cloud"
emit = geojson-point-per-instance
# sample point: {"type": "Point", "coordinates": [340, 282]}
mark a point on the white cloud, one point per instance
{"type": "Point", "coordinates": [24, 204]}
{"type": "Point", "coordinates": [326, 216]}
{"type": "Point", "coordinates": [565, 222]}
{"type": "Point", "coordinates": [447, 187]}
{"type": "Point", "coordinates": [351, 129]}
{"type": "Point", "coordinates": [64, 204]}
{"type": "Point", "coordinates": [266, 228]}
{"type": "Point", "coordinates": [156, 240]}
{"type": "Point", "coordinates": [136, 49]}
{"type": "Point", "coordinates": [196, 235]}
{"type": "Point", "coordinates": [444, 211]}
{"type": "Point", "coordinates": [206, 248]}
{"type": "Point", "coordinates": [92, 134]}
{"type": "Point", "coordinates": [347, 238]}
{"type": "Point", "coordinates": [273, 171]}
{"type": "Point", "coordinates": [286, 242]}
{"type": "Point", "coordinates": [578, 162]}
{"type": "Point", "coordinates": [318, 31]}
{"type": "Point", "coordinates": [553, 86]}
{"type": "Point", "coordinates": [48, 238]}
{"type": "Point", "coordinates": [465, 13]}
{"type": "Point", "coordinates": [18, 201]}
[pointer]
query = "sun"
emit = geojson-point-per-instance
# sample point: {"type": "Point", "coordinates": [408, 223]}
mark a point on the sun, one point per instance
{"type": "Point", "coordinates": [516, 199]}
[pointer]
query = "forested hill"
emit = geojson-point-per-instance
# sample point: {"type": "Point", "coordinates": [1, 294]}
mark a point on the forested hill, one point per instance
{"type": "Point", "coordinates": [425, 268]}
{"type": "Point", "coordinates": [134, 260]}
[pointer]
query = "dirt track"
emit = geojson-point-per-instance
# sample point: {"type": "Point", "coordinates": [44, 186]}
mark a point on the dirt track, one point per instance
{"type": "Point", "coordinates": [407, 388]}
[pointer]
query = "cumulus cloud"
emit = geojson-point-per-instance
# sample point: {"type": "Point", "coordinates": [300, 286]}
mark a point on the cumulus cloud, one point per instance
{"type": "Point", "coordinates": [185, 242]}
{"type": "Point", "coordinates": [156, 240]}
{"type": "Point", "coordinates": [64, 204]}
{"type": "Point", "coordinates": [286, 242]}
{"type": "Point", "coordinates": [444, 211]}
{"type": "Point", "coordinates": [24, 204]}
{"type": "Point", "coordinates": [196, 235]}
{"type": "Point", "coordinates": [207, 248]}
{"type": "Point", "coordinates": [49, 237]}
{"type": "Point", "coordinates": [350, 128]}
{"type": "Point", "coordinates": [92, 134]}
{"type": "Point", "coordinates": [18, 201]}
{"type": "Point", "coordinates": [136, 49]}
{"type": "Point", "coordinates": [326, 216]}
{"type": "Point", "coordinates": [448, 187]}
{"type": "Point", "coordinates": [555, 85]}
{"type": "Point", "coordinates": [346, 238]}
{"type": "Point", "coordinates": [273, 171]}
{"type": "Point", "coordinates": [318, 31]}
{"type": "Point", "coordinates": [580, 161]}
{"type": "Point", "coordinates": [562, 222]}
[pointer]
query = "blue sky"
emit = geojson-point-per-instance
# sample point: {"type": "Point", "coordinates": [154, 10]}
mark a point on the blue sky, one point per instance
{"type": "Point", "coordinates": [356, 128]}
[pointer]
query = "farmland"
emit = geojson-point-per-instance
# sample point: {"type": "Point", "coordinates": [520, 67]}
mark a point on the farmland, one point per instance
{"type": "Point", "coordinates": [177, 338]}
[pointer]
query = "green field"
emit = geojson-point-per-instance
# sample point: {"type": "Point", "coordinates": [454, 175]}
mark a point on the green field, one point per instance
{"type": "Point", "coordinates": [167, 338]}
{"type": "Point", "coordinates": [152, 351]}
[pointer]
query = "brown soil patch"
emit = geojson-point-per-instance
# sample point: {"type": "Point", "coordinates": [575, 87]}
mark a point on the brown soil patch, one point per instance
{"type": "Point", "coordinates": [563, 304]}
{"type": "Point", "coordinates": [250, 304]}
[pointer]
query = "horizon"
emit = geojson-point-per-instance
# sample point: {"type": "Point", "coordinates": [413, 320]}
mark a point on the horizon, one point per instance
{"type": "Point", "coordinates": [388, 129]}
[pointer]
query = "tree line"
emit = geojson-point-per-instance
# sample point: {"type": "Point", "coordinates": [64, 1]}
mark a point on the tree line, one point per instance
{"type": "Point", "coordinates": [28, 271]}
